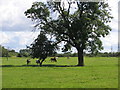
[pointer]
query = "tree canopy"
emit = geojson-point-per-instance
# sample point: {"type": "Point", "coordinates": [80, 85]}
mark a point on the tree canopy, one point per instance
{"type": "Point", "coordinates": [42, 47]}
{"type": "Point", "coordinates": [78, 24]}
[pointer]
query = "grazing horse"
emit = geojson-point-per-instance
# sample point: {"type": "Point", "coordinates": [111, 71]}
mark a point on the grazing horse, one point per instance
{"type": "Point", "coordinates": [38, 62]}
{"type": "Point", "coordinates": [53, 59]}
{"type": "Point", "coordinates": [28, 61]}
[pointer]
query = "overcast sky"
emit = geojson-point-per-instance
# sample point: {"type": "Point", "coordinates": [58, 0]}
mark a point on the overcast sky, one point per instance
{"type": "Point", "coordinates": [15, 28]}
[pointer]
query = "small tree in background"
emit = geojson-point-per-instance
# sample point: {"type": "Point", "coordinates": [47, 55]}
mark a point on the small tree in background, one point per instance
{"type": "Point", "coordinates": [42, 47]}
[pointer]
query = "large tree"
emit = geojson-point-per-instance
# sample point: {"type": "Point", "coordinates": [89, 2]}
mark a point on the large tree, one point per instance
{"type": "Point", "coordinates": [78, 24]}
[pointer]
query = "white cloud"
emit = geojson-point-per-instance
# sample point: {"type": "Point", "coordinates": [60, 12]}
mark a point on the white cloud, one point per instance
{"type": "Point", "coordinates": [5, 37]}
{"type": "Point", "coordinates": [12, 12]}
{"type": "Point", "coordinates": [110, 41]}
{"type": "Point", "coordinates": [26, 38]}
{"type": "Point", "coordinates": [114, 11]}
{"type": "Point", "coordinates": [18, 40]}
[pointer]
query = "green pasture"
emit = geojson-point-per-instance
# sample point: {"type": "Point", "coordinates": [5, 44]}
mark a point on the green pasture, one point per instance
{"type": "Point", "coordinates": [98, 72]}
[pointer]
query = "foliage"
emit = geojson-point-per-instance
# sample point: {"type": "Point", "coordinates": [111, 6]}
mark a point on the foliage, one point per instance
{"type": "Point", "coordinates": [6, 52]}
{"type": "Point", "coordinates": [42, 47]}
{"type": "Point", "coordinates": [80, 26]}
{"type": "Point", "coordinates": [100, 54]}
{"type": "Point", "coordinates": [105, 54]}
{"type": "Point", "coordinates": [3, 52]}
{"type": "Point", "coordinates": [24, 53]}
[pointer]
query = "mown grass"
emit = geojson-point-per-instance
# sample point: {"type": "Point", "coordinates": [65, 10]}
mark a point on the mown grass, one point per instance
{"type": "Point", "coordinates": [98, 72]}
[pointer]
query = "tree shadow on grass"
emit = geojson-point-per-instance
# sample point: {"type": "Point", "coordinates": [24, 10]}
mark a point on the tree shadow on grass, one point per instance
{"type": "Point", "coordinates": [53, 65]}
{"type": "Point", "coordinates": [46, 65]}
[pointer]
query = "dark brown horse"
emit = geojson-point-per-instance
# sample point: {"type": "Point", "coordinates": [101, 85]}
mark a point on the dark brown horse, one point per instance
{"type": "Point", "coordinates": [28, 61]}
{"type": "Point", "coordinates": [53, 59]}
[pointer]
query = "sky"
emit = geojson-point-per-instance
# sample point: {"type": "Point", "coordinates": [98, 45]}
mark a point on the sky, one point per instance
{"type": "Point", "coordinates": [16, 29]}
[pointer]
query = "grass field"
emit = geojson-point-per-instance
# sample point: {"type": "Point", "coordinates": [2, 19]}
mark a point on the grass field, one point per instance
{"type": "Point", "coordinates": [98, 72]}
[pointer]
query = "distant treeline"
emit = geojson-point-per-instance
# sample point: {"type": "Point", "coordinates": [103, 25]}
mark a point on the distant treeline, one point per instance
{"type": "Point", "coordinates": [26, 53]}
{"type": "Point", "coordinates": [6, 52]}
{"type": "Point", "coordinates": [105, 54]}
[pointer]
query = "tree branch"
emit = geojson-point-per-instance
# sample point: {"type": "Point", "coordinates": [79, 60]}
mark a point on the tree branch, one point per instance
{"type": "Point", "coordinates": [68, 41]}
{"type": "Point", "coordinates": [68, 8]}
{"type": "Point", "coordinates": [80, 8]}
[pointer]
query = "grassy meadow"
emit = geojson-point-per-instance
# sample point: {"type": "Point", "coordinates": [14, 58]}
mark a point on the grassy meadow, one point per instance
{"type": "Point", "coordinates": [98, 72]}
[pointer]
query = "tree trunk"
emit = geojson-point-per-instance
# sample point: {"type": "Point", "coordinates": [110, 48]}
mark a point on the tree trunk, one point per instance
{"type": "Point", "coordinates": [80, 57]}
{"type": "Point", "coordinates": [41, 62]}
